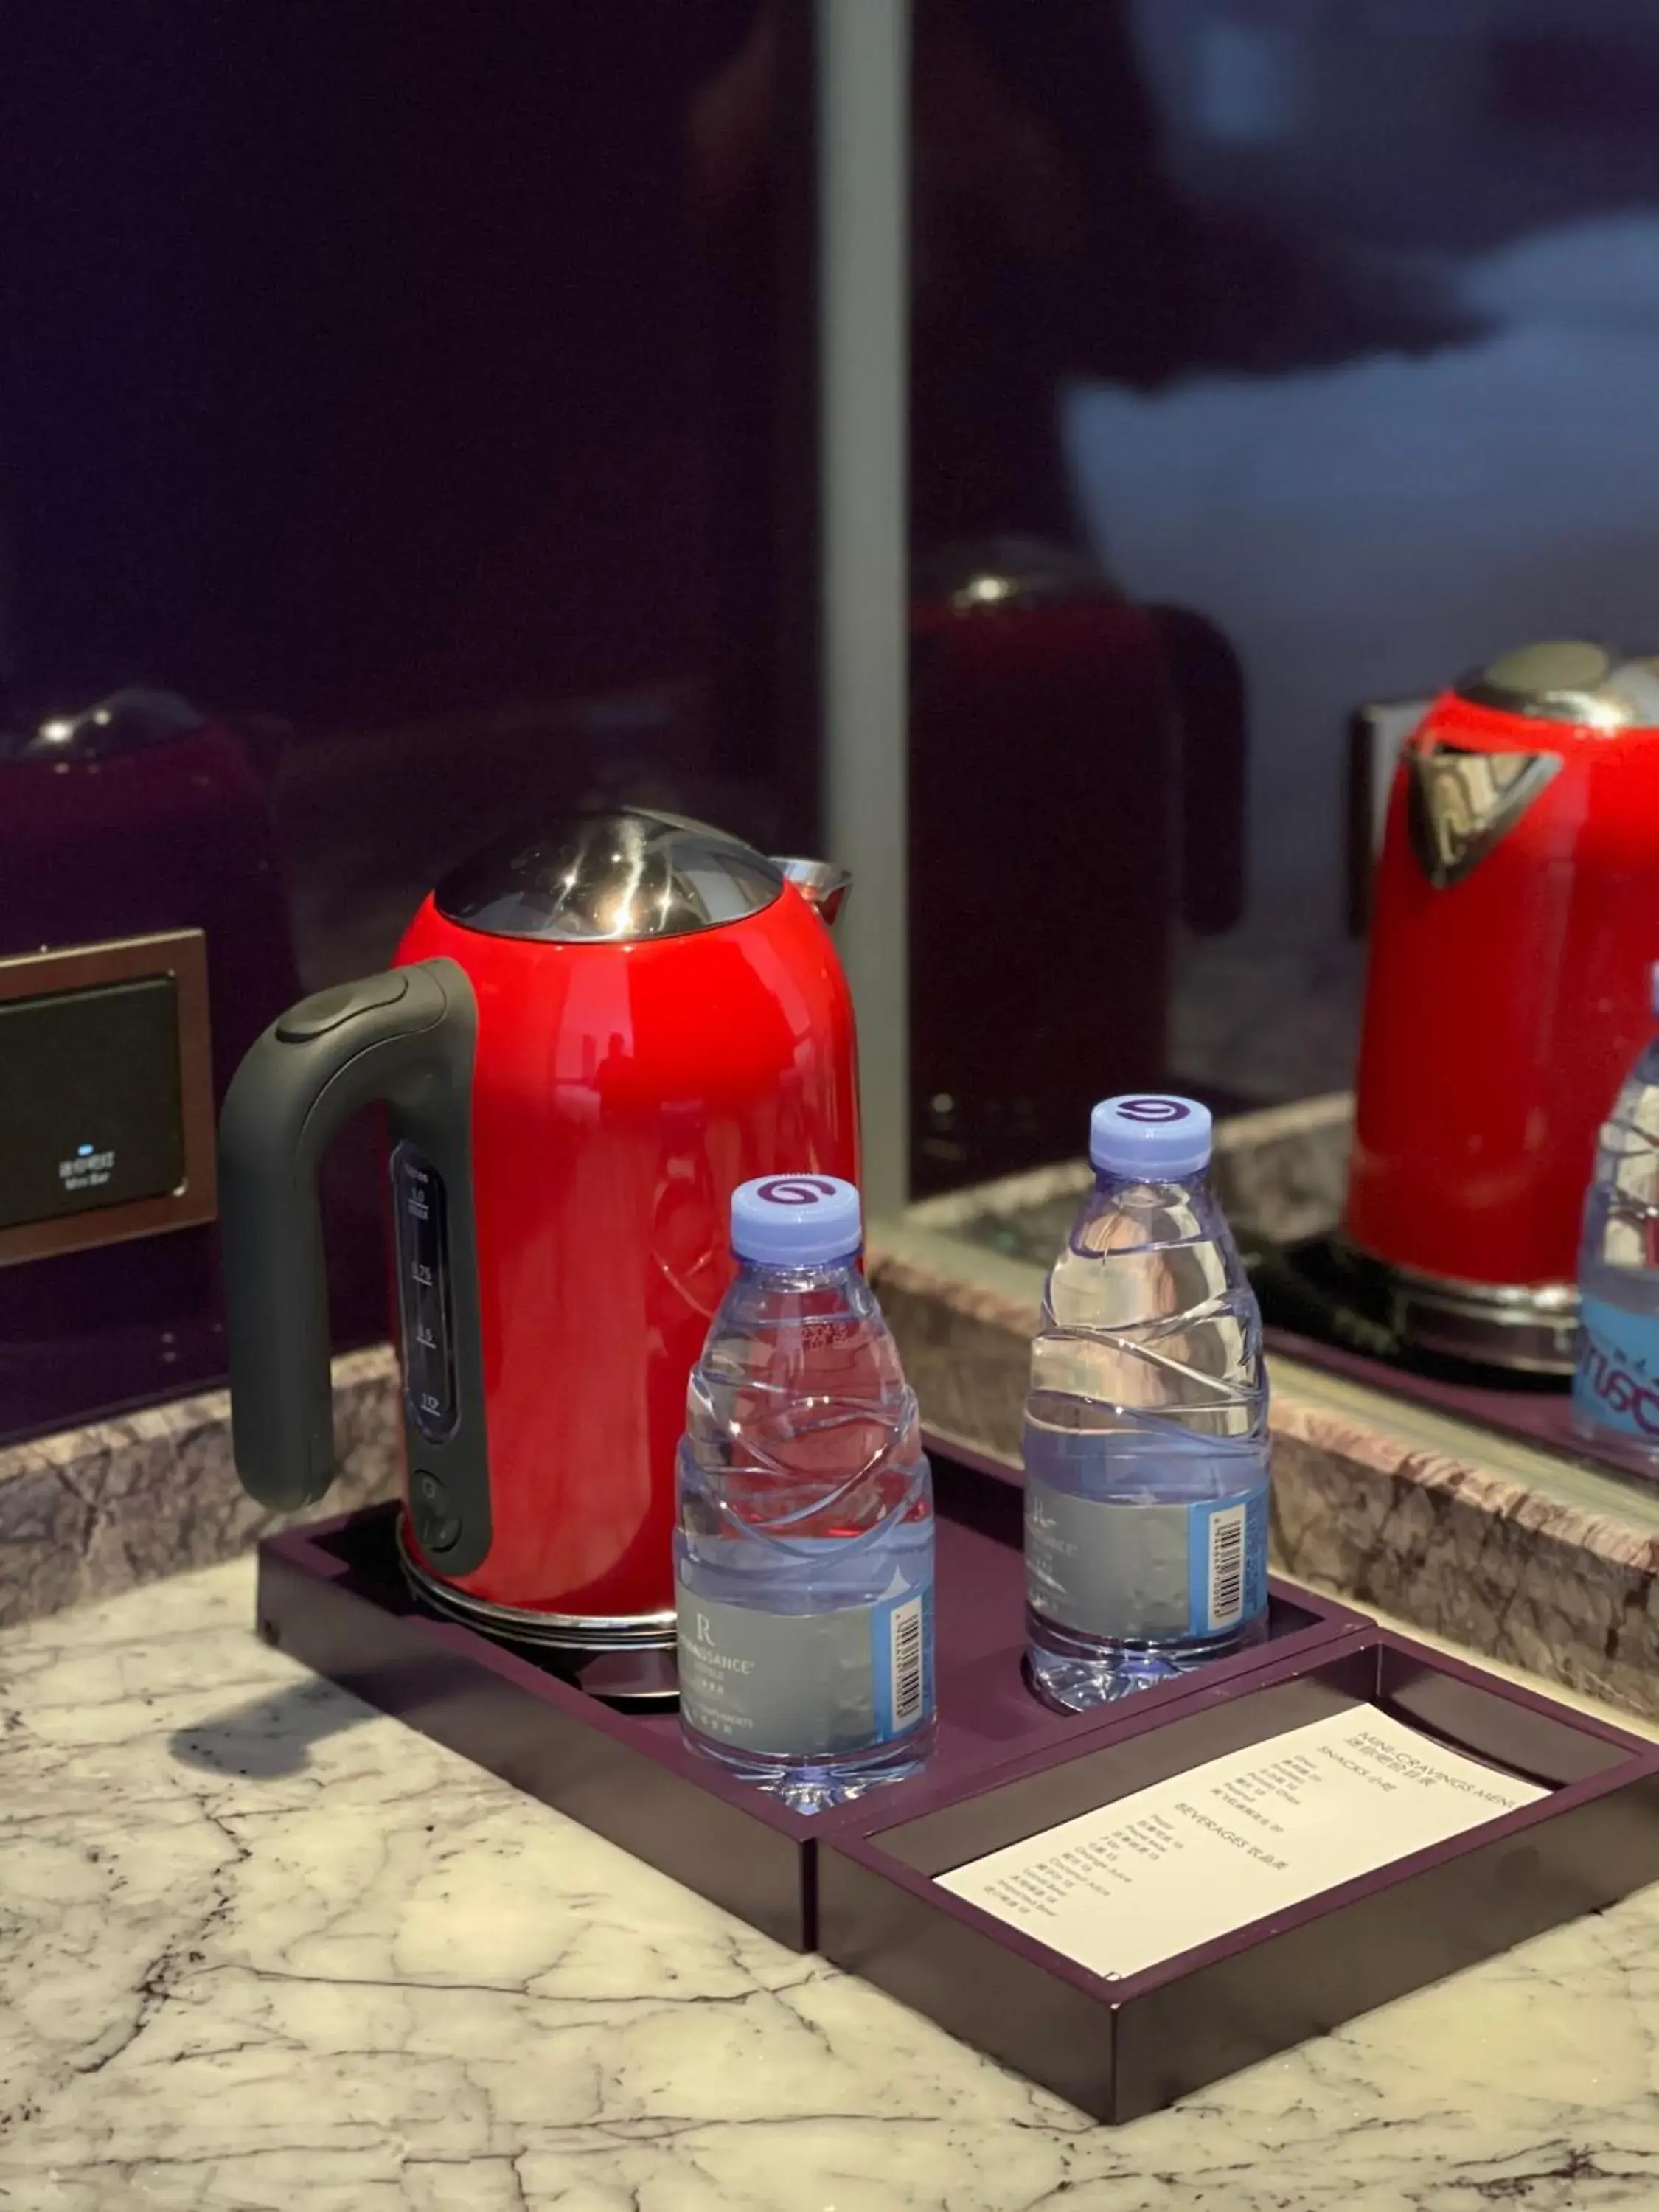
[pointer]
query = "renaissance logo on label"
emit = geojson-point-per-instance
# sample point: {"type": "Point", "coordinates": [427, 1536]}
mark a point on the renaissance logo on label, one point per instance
{"type": "Point", "coordinates": [709, 1657]}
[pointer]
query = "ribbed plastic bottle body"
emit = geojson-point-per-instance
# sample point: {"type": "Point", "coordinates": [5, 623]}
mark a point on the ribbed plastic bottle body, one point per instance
{"type": "Point", "coordinates": [804, 1548]}
{"type": "Point", "coordinates": [1145, 1447]}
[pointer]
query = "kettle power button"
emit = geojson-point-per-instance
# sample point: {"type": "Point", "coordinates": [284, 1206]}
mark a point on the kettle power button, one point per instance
{"type": "Point", "coordinates": [437, 1525]}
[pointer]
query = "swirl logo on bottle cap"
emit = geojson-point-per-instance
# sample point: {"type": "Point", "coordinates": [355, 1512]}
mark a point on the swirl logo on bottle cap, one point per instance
{"type": "Point", "coordinates": [1150, 1134]}
{"type": "Point", "coordinates": [796, 1190]}
{"type": "Point", "coordinates": [805, 1220]}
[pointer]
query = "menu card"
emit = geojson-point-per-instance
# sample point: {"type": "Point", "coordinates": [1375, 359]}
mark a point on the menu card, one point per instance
{"type": "Point", "coordinates": [1210, 1851]}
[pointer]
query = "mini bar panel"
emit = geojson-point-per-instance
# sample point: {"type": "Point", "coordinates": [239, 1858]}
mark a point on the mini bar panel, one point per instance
{"type": "Point", "coordinates": [89, 1107]}
{"type": "Point", "coordinates": [107, 1108]}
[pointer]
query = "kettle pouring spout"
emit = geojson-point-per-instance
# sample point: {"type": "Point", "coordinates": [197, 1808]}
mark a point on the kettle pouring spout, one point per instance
{"type": "Point", "coordinates": [820, 882]}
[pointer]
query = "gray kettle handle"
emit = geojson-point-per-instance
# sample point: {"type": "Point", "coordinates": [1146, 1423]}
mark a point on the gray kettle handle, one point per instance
{"type": "Point", "coordinates": [407, 1038]}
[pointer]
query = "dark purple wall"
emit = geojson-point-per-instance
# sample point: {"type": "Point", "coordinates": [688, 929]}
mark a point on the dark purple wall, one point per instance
{"type": "Point", "coordinates": [397, 373]}
{"type": "Point", "coordinates": [428, 390]}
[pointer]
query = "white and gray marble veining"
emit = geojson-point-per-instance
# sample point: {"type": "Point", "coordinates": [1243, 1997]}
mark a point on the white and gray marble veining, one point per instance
{"type": "Point", "coordinates": [262, 1949]}
{"type": "Point", "coordinates": [92, 1511]}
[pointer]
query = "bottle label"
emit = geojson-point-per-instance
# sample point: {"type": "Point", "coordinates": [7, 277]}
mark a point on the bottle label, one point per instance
{"type": "Point", "coordinates": [1134, 1573]}
{"type": "Point", "coordinates": [807, 1685]}
{"type": "Point", "coordinates": [1616, 1383]}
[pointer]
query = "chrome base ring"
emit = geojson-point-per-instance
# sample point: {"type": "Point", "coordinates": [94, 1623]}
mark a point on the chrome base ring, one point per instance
{"type": "Point", "coordinates": [1529, 1328]}
{"type": "Point", "coordinates": [576, 1634]}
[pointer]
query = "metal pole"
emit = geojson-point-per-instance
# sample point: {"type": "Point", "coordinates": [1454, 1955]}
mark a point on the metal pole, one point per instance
{"type": "Point", "coordinates": [863, 168]}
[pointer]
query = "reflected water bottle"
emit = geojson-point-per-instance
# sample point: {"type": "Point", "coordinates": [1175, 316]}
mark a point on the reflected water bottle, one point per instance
{"type": "Point", "coordinates": [804, 1553]}
{"type": "Point", "coordinates": [1615, 1385]}
{"type": "Point", "coordinates": [1145, 1447]}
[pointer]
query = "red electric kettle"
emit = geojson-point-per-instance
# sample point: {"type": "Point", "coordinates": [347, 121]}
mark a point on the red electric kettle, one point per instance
{"type": "Point", "coordinates": [1515, 924]}
{"type": "Point", "coordinates": [590, 1037]}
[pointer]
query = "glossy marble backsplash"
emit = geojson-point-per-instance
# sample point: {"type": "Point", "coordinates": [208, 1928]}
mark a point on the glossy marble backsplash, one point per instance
{"type": "Point", "coordinates": [93, 1512]}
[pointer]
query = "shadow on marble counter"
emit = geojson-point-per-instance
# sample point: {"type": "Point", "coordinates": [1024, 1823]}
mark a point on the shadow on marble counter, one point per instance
{"type": "Point", "coordinates": [93, 1511]}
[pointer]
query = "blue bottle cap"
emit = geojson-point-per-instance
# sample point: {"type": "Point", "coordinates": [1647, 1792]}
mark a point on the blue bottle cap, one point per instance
{"type": "Point", "coordinates": [1150, 1134]}
{"type": "Point", "coordinates": [796, 1220]}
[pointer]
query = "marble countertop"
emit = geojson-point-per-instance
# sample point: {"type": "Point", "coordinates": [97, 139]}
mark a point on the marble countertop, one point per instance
{"type": "Point", "coordinates": [260, 1948]}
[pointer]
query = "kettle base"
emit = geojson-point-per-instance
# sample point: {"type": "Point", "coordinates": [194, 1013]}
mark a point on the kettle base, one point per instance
{"type": "Point", "coordinates": [648, 1637]}
{"type": "Point", "coordinates": [1524, 1328]}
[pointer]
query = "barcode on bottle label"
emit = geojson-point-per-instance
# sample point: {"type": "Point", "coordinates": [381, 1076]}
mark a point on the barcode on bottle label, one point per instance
{"type": "Point", "coordinates": [905, 1629]}
{"type": "Point", "coordinates": [1227, 1567]}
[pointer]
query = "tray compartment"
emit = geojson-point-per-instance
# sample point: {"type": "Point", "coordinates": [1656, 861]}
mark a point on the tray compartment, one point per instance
{"type": "Point", "coordinates": [1121, 2048]}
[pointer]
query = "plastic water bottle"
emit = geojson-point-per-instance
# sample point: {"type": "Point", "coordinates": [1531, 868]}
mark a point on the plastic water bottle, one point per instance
{"type": "Point", "coordinates": [1615, 1386]}
{"type": "Point", "coordinates": [804, 1556]}
{"type": "Point", "coordinates": [1147, 1425]}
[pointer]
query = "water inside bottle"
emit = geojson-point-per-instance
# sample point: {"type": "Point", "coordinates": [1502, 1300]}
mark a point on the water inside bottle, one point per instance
{"type": "Point", "coordinates": [804, 1548]}
{"type": "Point", "coordinates": [1145, 1447]}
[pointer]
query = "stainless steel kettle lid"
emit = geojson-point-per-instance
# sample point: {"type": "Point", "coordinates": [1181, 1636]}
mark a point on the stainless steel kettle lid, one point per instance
{"type": "Point", "coordinates": [1570, 680]}
{"type": "Point", "coordinates": [616, 878]}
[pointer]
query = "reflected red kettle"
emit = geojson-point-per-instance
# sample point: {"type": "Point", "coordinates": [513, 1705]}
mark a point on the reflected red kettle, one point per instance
{"type": "Point", "coordinates": [1515, 924]}
{"type": "Point", "coordinates": [589, 1038]}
